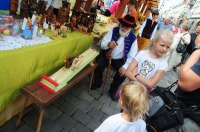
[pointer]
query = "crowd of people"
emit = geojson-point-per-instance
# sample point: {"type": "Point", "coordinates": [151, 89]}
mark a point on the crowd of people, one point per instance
{"type": "Point", "coordinates": [140, 61]}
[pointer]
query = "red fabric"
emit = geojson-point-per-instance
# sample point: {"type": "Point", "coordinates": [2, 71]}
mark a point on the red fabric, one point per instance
{"type": "Point", "coordinates": [101, 3]}
{"type": "Point", "coordinates": [29, 27]}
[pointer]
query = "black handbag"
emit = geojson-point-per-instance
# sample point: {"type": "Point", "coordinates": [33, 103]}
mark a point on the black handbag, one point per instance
{"type": "Point", "coordinates": [164, 112]}
{"type": "Point", "coordinates": [181, 47]}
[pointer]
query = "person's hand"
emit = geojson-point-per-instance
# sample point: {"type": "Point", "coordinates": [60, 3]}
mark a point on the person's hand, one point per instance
{"type": "Point", "coordinates": [183, 38]}
{"type": "Point", "coordinates": [122, 71]}
{"type": "Point", "coordinates": [115, 20]}
{"type": "Point", "coordinates": [112, 44]}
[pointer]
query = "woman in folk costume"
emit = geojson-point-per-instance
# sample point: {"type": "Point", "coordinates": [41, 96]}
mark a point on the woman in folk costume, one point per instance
{"type": "Point", "coordinates": [147, 30]}
{"type": "Point", "coordinates": [184, 37]}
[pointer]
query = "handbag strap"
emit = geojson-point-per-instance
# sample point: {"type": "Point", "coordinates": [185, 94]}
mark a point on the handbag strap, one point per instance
{"type": "Point", "coordinates": [171, 86]}
{"type": "Point", "coordinates": [185, 34]}
{"type": "Point", "coordinates": [152, 128]}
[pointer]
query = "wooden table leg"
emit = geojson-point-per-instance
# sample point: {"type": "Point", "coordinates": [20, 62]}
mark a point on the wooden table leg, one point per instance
{"type": "Point", "coordinates": [91, 79]}
{"type": "Point", "coordinates": [21, 114]}
{"type": "Point", "coordinates": [40, 120]}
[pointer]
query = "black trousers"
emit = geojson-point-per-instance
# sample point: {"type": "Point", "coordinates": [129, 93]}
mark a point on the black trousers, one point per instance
{"type": "Point", "coordinates": [103, 63]}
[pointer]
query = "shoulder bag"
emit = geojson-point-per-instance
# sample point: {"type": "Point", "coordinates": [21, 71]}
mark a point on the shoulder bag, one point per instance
{"type": "Point", "coordinates": [164, 112]}
{"type": "Point", "coordinates": [181, 47]}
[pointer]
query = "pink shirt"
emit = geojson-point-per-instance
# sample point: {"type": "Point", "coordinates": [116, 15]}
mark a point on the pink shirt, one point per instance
{"type": "Point", "coordinates": [113, 7]}
{"type": "Point", "coordinates": [175, 30]}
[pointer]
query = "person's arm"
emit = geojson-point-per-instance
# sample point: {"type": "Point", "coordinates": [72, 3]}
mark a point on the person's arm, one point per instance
{"type": "Point", "coordinates": [132, 53]}
{"type": "Point", "coordinates": [151, 82]}
{"type": "Point", "coordinates": [131, 72]}
{"type": "Point", "coordinates": [106, 39]}
{"type": "Point", "coordinates": [189, 80]}
{"type": "Point", "coordinates": [142, 27]}
{"type": "Point", "coordinates": [186, 38]}
{"type": "Point", "coordinates": [154, 32]}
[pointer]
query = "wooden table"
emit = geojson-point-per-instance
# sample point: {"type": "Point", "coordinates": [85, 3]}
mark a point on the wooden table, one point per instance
{"type": "Point", "coordinates": [42, 98]}
{"type": "Point", "coordinates": [24, 65]}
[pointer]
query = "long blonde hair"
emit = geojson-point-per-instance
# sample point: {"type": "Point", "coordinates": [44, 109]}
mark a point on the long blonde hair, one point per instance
{"type": "Point", "coordinates": [162, 34]}
{"type": "Point", "coordinates": [134, 96]}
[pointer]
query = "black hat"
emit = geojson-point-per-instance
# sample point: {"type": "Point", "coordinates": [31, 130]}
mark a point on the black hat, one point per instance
{"type": "Point", "coordinates": [127, 21]}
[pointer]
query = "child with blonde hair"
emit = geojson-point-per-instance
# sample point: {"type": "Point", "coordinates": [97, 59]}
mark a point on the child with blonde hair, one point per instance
{"type": "Point", "coordinates": [150, 64]}
{"type": "Point", "coordinates": [134, 102]}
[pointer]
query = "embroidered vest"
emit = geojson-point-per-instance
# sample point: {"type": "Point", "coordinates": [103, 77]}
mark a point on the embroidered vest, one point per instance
{"type": "Point", "coordinates": [148, 29]}
{"type": "Point", "coordinates": [128, 41]}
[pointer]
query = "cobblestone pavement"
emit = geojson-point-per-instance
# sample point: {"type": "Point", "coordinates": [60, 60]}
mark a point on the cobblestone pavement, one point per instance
{"type": "Point", "coordinates": [76, 111]}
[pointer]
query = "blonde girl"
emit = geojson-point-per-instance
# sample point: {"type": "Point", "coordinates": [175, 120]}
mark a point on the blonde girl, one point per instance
{"type": "Point", "coordinates": [149, 65]}
{"type": "Point", "coordinates": [134, 102]}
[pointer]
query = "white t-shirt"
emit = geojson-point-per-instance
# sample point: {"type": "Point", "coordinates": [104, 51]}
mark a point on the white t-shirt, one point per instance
{"type": "Point", "coordinates": [148, 66]}
{"type": "Point", "coordinates": [116, 123]}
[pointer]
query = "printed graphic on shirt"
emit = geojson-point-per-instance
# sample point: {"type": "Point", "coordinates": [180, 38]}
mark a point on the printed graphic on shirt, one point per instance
{"type": "Point", "coordinates": [146, 68]}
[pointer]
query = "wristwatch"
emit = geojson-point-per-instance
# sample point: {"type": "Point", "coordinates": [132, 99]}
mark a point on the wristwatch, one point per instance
{"type": "Point", "coordinates": [196, 47]}
{"type": "Point", "coordinates": [137, 75]}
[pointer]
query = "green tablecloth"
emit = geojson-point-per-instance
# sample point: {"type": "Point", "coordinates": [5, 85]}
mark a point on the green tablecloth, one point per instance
{"type": "Point", "coordinates": [22, 66]}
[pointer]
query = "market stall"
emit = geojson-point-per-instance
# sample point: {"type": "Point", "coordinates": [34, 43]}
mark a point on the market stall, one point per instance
{"type": "Point", "coordinates": [22, 66]}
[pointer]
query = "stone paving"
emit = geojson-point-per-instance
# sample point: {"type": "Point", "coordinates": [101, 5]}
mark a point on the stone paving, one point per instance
{"type": "Point", "coordinates": [76, 111]}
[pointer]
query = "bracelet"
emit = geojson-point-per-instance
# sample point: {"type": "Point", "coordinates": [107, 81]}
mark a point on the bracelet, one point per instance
{"type": "Point", "coordinates": [137, 75]}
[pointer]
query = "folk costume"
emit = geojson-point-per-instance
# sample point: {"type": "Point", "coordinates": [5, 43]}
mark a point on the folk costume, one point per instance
{"type": "Point", "coordinates": [122, 54]}
{"type": "Point", "coordinates": [146, 32]}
